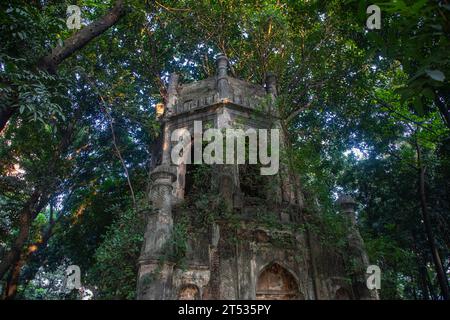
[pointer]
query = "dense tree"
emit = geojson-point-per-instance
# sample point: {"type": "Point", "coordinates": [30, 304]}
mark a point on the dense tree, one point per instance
{"type": "Point", "coordinates": [364, 112]}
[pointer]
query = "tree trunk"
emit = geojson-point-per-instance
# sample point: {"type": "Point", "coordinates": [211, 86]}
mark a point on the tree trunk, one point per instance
{"type": "Point", "coordinates": [37, 201]}
{"type": "Point", "coordinates": [442, 279]}
{"type": "Point", "coordinates": [13, 280]}
{"type": "Point", "coordinates": [74, 43]}
{"type": "Point", "coordinates": [421, 268]}
{"type": "Point", "coordinates": [430, 284]}
{"type": "Point", "coordinates": [423, 282]}
{"type": "Point", "coordinates": [36, 257]}
{"type": "Point", "coordinates": [6, 113]}
{"type": "Point", "coordinates": [25, 219]}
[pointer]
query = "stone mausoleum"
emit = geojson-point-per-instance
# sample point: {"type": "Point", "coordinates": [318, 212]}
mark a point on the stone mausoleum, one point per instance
{"type": "Point", "coordinates": [252, 237]}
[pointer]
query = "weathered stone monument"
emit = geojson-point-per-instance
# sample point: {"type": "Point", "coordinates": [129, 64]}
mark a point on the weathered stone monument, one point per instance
{"type": "Point", "coordinates": [230, 233]}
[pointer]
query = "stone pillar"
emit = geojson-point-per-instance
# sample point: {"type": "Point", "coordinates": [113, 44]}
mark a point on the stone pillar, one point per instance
{"type": "Point", "coordinates": [348, 205]}
{"type": "Point", "coordinates": [286, 192]}
{"type": "Point", "coordinates": [170, 110]}
{"type": "Point", "coordinates": [166, 147]}
{"type": "Point", "coordinates": [271, 89]}
{"type": "Point", "coordinates": [356, 250]}
{"type": "Point", "coordinates": [172, 93]}
{"type": "Point", "coordinates": [227, 175]}
{"type": "Point", "coordinates": [223, 87]}
{"type": "Point", "coordinates": [155, 272]}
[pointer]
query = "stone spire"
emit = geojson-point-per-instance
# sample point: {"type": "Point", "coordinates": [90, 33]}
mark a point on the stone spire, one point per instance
{"type": "Point", "coordinates": [223, 87]}
{"type": "Point", "coordinates": [172, 97]}
{"type": "Point", "coordinates": [348, 206]}
{"type": "Point", "coordinates": [271, 84]}
{"type": "Point", "coordinates": [271, 89]}
{"type": "Point", "coordinates": [154, 275]}
{"type": "Point", "coordinates": [356, 249]}
{"type": "Point", "coordinates": [172, 93]}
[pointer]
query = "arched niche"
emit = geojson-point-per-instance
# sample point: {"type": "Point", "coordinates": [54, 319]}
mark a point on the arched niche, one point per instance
{"type": "Point", "coordinates": [189, 292]}
{"type": "Point", "coordinates": [276, 283]}
{"type": "Point", "coordinates": [192, 177]}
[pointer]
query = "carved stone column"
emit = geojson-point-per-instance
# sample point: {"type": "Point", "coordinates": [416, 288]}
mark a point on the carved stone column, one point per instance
{"type": "Point", "coordinates": [223, 87]}
{"type": "Point", "coordinates": [356, 250]}
{"type": "Point", "coordinates": [227, 175]}
{"type": "Point", "coordinates": [285, 191]}
{"type": "Point", "coordinates": [271, 89]}
{"type": "Point", "coordinates": [170, 110]}
{"type": "Point", "coordinates": [172, 93]}
{"type": "Point", "coordinates": [155, 272]}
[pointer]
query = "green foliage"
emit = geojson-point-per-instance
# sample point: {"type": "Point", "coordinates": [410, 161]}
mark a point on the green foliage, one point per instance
{"type": "Point", "coordinates": [176, 246]}
{"type": "Point", "coordinates": [357, 103]}
{"type": "Point", "coordinates": [114, 271]}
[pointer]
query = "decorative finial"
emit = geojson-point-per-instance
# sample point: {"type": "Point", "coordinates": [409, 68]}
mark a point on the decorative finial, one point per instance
{"type": "Point", "coordinates": [222, 65]}
{"type": "Point", "coordinates": [173, 79]}
{"type": "Point", "coordinates": [172, 93]}
{"type": "Point", "coordinates": [271, 83]}
{"type": "Point", "coordinates": [348, 206]}
{"type": "Point", "coordinates": [223, 87]}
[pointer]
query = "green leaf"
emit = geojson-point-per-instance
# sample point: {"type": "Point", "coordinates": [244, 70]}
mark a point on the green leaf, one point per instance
{"type": "Point", "coordinates": [435, 75]}
{"type": "Point", "coordinates": [436, 27]}
{"type": "Point", "coordinates": [418, 106]}
{"type": "Point", "coordinates": [428, 93]}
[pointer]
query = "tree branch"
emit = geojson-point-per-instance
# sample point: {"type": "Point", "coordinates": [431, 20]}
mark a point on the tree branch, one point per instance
{"type": "Point", "coordinates": [296, 112]}
{"type": "Point", "coordinates": [74, 43]}
{"type": "Point", "coordinates": [104, 106]}
{"type": "Point", "coordinates": [77, 41]}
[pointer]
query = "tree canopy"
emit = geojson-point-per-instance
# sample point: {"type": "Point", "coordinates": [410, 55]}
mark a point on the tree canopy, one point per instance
{"type": "Point", "coordinates": [366, 113]}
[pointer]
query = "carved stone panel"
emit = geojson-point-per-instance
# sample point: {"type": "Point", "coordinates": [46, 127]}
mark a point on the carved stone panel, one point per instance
{"type": "Point", "coordinates": [276, 283]}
